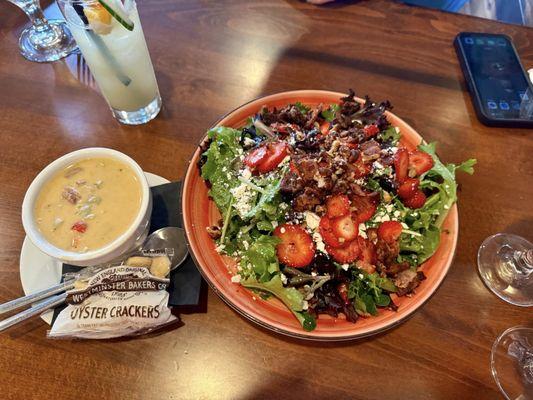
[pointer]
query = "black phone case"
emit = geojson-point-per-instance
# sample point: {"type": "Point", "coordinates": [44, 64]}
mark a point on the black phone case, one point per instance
{"type": "Point", "coordinates": [476, 97]}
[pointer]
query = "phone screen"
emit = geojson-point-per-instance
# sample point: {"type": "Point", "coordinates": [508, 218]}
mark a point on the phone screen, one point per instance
{"type": "Point", "coordinates": [498, 76]}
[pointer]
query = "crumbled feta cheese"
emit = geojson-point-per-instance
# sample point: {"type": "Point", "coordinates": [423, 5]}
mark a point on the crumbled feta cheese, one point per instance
{"type": "Point", "coordinates": [274, 224]}
{"type": "Point", "coordinates": [397, 213]}
{"type": "Point", "coordinates": [245, 244]}
{"type": "Point", "coordinates": [345, 266]}
{"type": "Point", "coordinates": [219, 248]}
{"type": "Point", "coordinates": [246, 173]}
{"type": "Point", "coordinates": [305, 305]}
{"type": "Point", "coordinates": [313, 273]}
{"type": "Point", "coordinates": [389, 208]}
{"type": "Point", "coordinates": [283, 278]}
{"type": "Point", "coordinates": [243, 196]}
{"type": "Point", "coordinates": [248, 141]}
{"type": "Point", "coordinates": [361, 276]}
{"type": "Point", "coordinates": [446, 206]}
{"type": "Point", "coordinates": [236, 278]}
{"type": "Point", "coordinates": [321, 182]}
{"type": "Point", "coordinates": [378, 165]}
{"type": "Point", "coordinates": [312, 220]}
{"type": "Point", "coordinates": [320, 246]}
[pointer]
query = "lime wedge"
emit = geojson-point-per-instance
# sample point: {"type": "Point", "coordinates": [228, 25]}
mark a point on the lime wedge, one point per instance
{"type": "Point", "coordinates": [119, 14]}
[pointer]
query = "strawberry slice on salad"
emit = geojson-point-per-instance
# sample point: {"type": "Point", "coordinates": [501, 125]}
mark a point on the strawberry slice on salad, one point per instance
{"type": "Point", "coordinates": [408, 188]}
{"type": "Point", "coordinates": [417, 200]}
{"type": "Point", "coordinates": [296, 248]}
{"type": "Point", "coordinates": [346, 228]}
{"type": "Point", "coordinates": [337, 206]}
{"type": "Point", "coordinates": [276, 152]}
{"type": "Point", "coordinates": [255, 157]}
{"type": "Point", "coordinates": [346, 254]}
{"type": "Point", "coordinates": [420, 162]}
{"type": "Point", "coordinates": [325, 228]}
{"type": "Point", "coordinates": [390, 231]}
{"type": "Point", "coordinates": [401, 165]}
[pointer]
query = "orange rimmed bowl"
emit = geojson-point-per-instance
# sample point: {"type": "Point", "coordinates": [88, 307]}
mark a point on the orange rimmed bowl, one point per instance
{"type": "Point", "coordinates": [199, 212]}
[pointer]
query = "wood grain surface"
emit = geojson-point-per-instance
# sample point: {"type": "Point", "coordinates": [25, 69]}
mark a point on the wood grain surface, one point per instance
{"type": "Point", "coordinates": [209, 57]}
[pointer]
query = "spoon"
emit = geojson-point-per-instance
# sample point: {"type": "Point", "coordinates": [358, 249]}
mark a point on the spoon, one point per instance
{"type": "Point", "coordinates": [170, 238]}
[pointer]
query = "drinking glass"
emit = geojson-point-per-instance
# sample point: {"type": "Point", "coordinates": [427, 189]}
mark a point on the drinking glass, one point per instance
{"type": "Point", "coordinates": [44, 40]}
{"type": "Point", "coordinates": [110, 37]}
{"type": "Point", "coordinates": [512, 363]}
{"type": "Point", "coordinates": [505, 263]}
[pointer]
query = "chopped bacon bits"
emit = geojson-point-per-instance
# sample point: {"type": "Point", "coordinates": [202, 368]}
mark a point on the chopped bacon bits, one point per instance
{"type": "Point", "coordinates": [71, 195]}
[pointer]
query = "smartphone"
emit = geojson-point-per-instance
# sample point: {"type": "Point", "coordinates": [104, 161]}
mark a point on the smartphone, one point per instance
{"type": "Point", "coordinates": [500, 88]}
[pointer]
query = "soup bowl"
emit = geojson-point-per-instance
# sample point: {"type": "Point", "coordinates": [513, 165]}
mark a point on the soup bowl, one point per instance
{"type": "Point", "coordinates": [134, 235]}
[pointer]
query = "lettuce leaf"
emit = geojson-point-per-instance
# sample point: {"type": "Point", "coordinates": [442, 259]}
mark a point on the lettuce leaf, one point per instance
{"type": "Point", "coordinates": [420, 241]}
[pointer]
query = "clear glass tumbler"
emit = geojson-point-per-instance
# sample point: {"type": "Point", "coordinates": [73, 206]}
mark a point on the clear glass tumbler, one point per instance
{"type": "Point", "coordinates": [111, 39]}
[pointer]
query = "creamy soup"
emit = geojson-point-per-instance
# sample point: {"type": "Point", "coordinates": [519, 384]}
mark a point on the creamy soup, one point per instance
{"type": "Point", "coordinates": [88, 204]}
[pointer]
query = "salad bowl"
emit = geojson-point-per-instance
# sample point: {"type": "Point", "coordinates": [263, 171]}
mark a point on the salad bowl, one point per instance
{"type": "Point", "coordinates": [200, 212]}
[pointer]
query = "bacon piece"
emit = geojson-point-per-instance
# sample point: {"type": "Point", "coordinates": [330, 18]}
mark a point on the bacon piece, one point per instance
{"type": "Point", "coordinates": [71, 195]}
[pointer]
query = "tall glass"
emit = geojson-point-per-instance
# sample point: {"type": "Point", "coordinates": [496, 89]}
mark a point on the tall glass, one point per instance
{"type": "Point", "coordinates": [112, 42]}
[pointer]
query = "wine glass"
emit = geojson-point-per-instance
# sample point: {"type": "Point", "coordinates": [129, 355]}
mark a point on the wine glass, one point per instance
{"type": "Point", "coordinates": [505, 263]}
{"type": "Point", "coordinates": [44, 40]}
{"type": "Point", "coordinates": [512, 363]}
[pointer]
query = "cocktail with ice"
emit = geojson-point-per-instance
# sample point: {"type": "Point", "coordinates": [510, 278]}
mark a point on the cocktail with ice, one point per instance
{"type": "Point", "coordinates": [111, 39]}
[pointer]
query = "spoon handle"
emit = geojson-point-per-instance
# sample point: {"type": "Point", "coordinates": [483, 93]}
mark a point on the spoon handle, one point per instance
{"type": "Point", "coordinates": [35, 297]}
{"type": "Point", "coordinates": [31, 312]}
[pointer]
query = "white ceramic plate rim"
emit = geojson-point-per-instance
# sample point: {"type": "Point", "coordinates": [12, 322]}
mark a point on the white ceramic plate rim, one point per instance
{"type": "Point", "coordinates": [39, 271]}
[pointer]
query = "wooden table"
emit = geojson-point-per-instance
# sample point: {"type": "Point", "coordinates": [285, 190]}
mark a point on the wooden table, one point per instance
{"type": "Point", "coordinates": [209, 57]}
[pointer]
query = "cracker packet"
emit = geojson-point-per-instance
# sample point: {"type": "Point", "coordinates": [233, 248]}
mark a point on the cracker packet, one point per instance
{"type": "Point", "coordinates": [121, 299]}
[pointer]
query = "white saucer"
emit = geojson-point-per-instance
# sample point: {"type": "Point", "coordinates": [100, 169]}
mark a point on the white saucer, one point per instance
{"type": "Point", "coordinates": [39, 271]}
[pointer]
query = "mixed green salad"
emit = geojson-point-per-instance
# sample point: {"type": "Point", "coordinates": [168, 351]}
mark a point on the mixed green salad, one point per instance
{"type": "Point", "coordinates": [325, 209]}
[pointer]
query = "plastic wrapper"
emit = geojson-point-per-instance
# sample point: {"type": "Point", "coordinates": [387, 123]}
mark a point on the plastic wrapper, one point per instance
{"type": "Point", "coordinates": [121, 299]}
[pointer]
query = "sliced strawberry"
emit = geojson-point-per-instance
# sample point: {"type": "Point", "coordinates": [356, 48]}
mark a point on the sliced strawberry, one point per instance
{"type": "Point", "coordinates": [401, 164]}
{"type": "Point", "coordinates": [255, 157]}
{"type": "Point", "coordinates": [420, 162]}
{"type": "Point", "coordinates": [345, 227]}
{"type": "Point", "coordinates": [337, 206]}
{"type": "Point", "coordinates": [416, 201]}
{"type": "Point", "coordinates": [365, 207]}
{"type": "Point", "coordinates": [79, 226]}
{"type": "Point", "coordinates": [361, 169]}
{"type": "Point", "coordinates": [390, 231]}
{"type": "Point", "coordinates": [408, 188]}
{"type": "Point", "coordinates": [368, 251]}
{"type": "Point", "coordinates": [346, 254]}
{"type": "Point", "coordinates": [324, 128]}
{"type": "Point", "coordinates": [342, 288]}
{"type": "Point", "coordinates": [326, 231]}
{"type": "Point", "coordinates": [276, 152]}
{"type": "Point", "coordinates": [296, 248]}
{"type": "Point", "coordinates": [371, 130]}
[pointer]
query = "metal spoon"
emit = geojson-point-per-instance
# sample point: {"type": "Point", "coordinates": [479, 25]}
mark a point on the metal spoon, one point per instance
{"type": "Point", "coordinates": [169, 238]}
{"type": "Point", "coordinates": [164, 238]}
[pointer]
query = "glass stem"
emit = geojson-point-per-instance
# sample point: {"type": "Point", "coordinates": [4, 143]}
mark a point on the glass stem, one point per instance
{"type": "Point", "coordinates": [35, 14]}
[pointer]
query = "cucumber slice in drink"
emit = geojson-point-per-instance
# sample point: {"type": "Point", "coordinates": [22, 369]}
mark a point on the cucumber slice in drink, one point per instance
{"type": "Point", "coordinates": [118, 13]}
